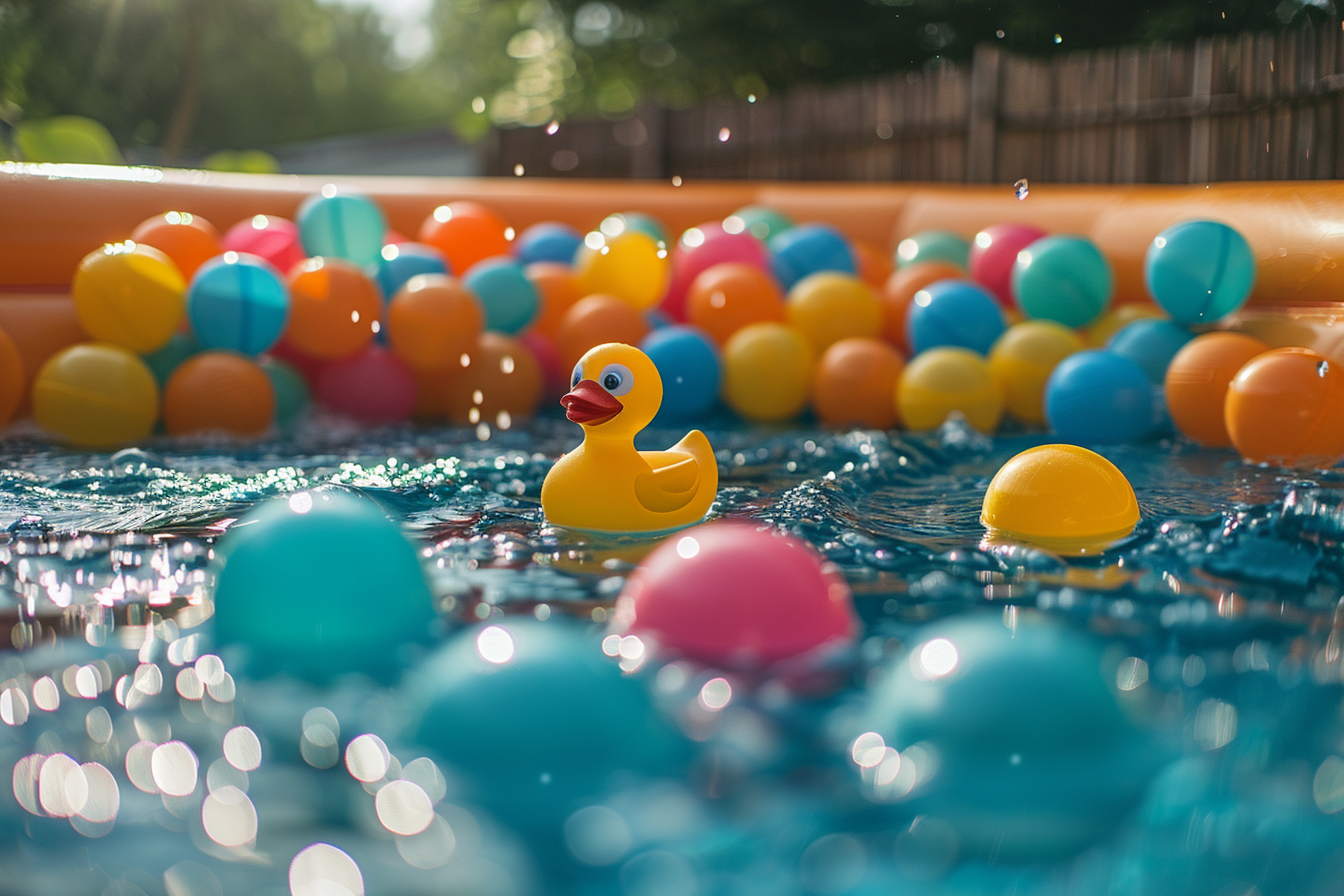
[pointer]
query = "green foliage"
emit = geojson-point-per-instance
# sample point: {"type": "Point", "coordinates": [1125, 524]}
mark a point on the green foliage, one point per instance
{"type": "Point", "coordinates": [66, 138]}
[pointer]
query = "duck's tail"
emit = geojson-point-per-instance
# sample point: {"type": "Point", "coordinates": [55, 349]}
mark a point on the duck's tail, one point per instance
{"type": "Point", "coordinates": [697, 445]}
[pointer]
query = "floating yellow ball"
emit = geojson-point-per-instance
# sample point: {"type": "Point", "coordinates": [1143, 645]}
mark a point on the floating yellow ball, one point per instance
{"type": "Point", "coordinates": [631, 266]}
{"type": "Point", "coordinates": [942, 380]}
{"type": "Point", "coordinates": [1023, 358]}
{"type": "Point", "coordinates": [767, 372]}
{"type": "Point", "coordinates": [96, 395]}
{"type": "Point", "coordinates": [830, 306]}
{"type": "Point", "coordinates": [129, 294]}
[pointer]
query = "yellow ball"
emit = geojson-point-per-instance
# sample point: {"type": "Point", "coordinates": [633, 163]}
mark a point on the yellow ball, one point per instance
{"type": "Point", "coordinates": [767, 372]}
{"type": "Point", "coordinates": [129, 294]}
{"type": "Point", "coordinates": [631, 266]}
{"type": "Point", "coordinates": [1023, 358]}
{"type": "Point", "coordinates": [1060, 497]}
{"type": "Point", "coordinates": [830, 306]}
{"type": "Point", "coordinates": [1117, 319]}
{"type": "Point", "coordinates": [96, 395]}
{"type": "Point", "coordinates": [942, 380]}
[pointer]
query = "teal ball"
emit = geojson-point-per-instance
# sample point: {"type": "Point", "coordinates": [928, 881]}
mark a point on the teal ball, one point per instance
{"type": "Point", "coordinates": [1064, 279]}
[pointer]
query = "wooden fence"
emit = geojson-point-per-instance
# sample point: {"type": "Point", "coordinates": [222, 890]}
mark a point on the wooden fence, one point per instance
{"type": "Point", "coordinates": [1245, 107]}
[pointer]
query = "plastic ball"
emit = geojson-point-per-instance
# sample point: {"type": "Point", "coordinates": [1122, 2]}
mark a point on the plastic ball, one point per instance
{"type": "Point", "coordinates": [900, 290]}
{"type": "Point", "coordinates": [631, 266]}
{"type": "Point", "coordinates": [374, 387]}
{"type": "Point", "coordinates": [339, 616]}
{"type": "Point", "coordinates": [509, 299]}
{"type": "Point", "coordinates": [1022, 360]}
{"type": "Point", "coordinates": [993, 252]}
{"type": "Point", "coordinates": [238, 302]}
{"type": "Point", "coordinates": [934, 245]}
{"type": "Point", "coordinates": [218, 392]}
{"type": "Point", "coordinates": [1095, 397]}
{"type": "Point", "coordinates": [727, 297]}
{"type": "Point", "coordinates": [291, 391]}
{"type": "Point", "coordinates": [1063, 498]}
{"type": "Point", "coordinates": [1286, 408]}
{"type": "Point", "coordinates": [827, 307]}
{"type": "Point", "coordinates": [129, 294]}
{"type": "Point", "coordinates": [940, 381]}
{"type": "Point", "coordinates": [703, 247]}
{"type": "Point", "coordinates": [502, 383]}
{"type": "Point", "coordinates": [875, 267]}
{"type": "Point", "coordinates": [1199, 271]}
{"type": "Point", "coordinates": [810, 249]}
{"type": "Point", "coordinates": [342, 225]}
{"type": "Point", "coordinates": [737, 596]}
{"type": "Point", "coordinates": [634, 222]}
{"type": "Point", "coordinates": [760, 221]}
{"type": "Point", "coordinates": [189, 240]}
{"type": "Point", "coordinates": [333, 309]}
{"type": "Point", "coordinates": [1113, 321]}
{"type": "Point", "coordinates": [554, 378]}
{"type": "Point", "coordinates": [1063, 278]}
{"type": "Point", "coordinates": [1197, 380]}
{"type": "Point", "coordinates": [1151, 344]}
{"type": "Point", "coordinates": [594, 320]}
{"type": "Point", "coordinates": [688, 362]}
{"type": "Point", "coordinates": [767, 372]}
{"type": "Point", "coordinates": [402, 261]}
{"type": "Point", "coordinates": [433, 320]}
{"type": "Point", "coordinates": [466, 233]}
{"type": "Point", "coordinates": [955, 313]}
{"type": "Point", "coordinates": [96, 395]}
{"type": "Point", "coordinates": [548, 241]}
{"type": "Point", "coordinates": [13, 378]}
{"type": "Point", "coordinates": [854, 384]}
{"type": "Point", "coordinates": [165, 360]}
{"type": "Point", "coordinates": [266, 236]}
{"type": "Point", "coordinates": [557, 290]}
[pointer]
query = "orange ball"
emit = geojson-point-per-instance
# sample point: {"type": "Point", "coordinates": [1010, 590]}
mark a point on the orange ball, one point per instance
{"type": "Point", "coordinates": [594, 320]}
{"type": "Point", "coordinates": [557, 288]}
{"type": "Point", "coordinates": [875, 266]}
{"type": "Point", "coordinates": [432, 321]}
{"type": "Point", "coordinates": [333, 309]}
{"type": "Point", "coordinates": [829, 306]}
{"type": "Point", "coordinates": [501, 383]}
{"type": "Point", "coordinates": [189, 240]}
{"type": "Point", "coordinates": [432, 388]}
{"type": "Point", "coordinates": [466, 232]}
{"type": "Point", "coordinates": [1286, 407]}
{"type": "Point", "coordinates": [726, 297]}
{"type": "Point", "coordinates": [13, 379]}
{"type": "Point", "coordinates": [218, 392]}
{"type": "Point", "coordinates": [1197, 381]}
{"type": "Point", "coordinates": [900, 290]}
{"type": "Point", "coordinates": [854, 382]}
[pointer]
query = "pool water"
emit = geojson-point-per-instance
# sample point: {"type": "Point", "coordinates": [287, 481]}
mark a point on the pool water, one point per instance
{"type": "Point", "coordinates": [1221, 614]}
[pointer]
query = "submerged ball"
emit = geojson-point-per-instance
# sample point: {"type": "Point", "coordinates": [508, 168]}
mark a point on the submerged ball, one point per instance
{"type": "Point", "coordinates": [1063, 278]}
{"type": "Point", "coordinates": [1199, 271]}
{"type": "Point", "coordinates": [767, 372]}
{"type": "Point", "coordinates": [1286, 408]}
{"type": "Point", "coordinates": [854, 384]}
{"type": "Point", "coordinates": [342, 225]}
{"type": "Point", "coordinates": [955, 313]}
{"type": "Point", "coordinates": [1197, 380]}
{"type": "Point", "coordinates": [509, 299]}
{"type": "Point", "coordinates": [129, 294]}
{"type": "Point", "coordinates": [941, 381]}
{"type": "Point", "coordinates": [95, 395]}
{"type": "Point", "coordinates": [238, 302]}
{"type": "Point", "coordinates": [688, 362]}
{"type": "Point", "coordinates": [1097, 397]}
{"type": "Point", "coordinates": [1022, 360]}
{"type": "Point", "coordinates": [218, 391]}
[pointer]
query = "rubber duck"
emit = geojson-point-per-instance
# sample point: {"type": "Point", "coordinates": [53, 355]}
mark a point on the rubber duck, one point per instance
{"type": "Point", "coordinates": [605, 485]}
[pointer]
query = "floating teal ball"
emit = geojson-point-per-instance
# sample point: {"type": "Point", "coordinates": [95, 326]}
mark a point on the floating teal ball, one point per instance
{"type": "Point", "coordinates": [1064, 279]}
{"type": "Point", "coordinates": [400, 262]}
{"type": "Point", "coordinates": [934, 245]}
{"type": "Point", "coordinates": [761, 221]}
{"type": "Point", "coordinates": [1199, 271]}
{"type": "Point", "coordinates": [638, 222]}
{"type": "Point", "coordinates": [239, 303]}
{"type": "Point", "coordinates": [342, 225]}
{"type": "Point", "coordinates": [291, 391]}
{"type": "Point", "coordinates": [178, 348]}
{"type": "Point", "coordinates": [509, 299]}
{"type": "Point", "coordinates": [1151, 344]}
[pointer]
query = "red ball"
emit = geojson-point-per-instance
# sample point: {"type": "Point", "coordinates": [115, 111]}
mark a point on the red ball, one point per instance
{"type": "Point", "coordinates": [733, 595]}
{"type": "Point", "coordinates": [374, 387]}
{"type": "Point", "coordinates": [266, 236]}
{"type": "Point", "coordinates": [993, 252]}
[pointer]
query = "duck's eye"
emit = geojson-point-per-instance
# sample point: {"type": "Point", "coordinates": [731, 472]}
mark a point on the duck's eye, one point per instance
{"type": "Point", "coordinates": [578, 375]}
{"type": "Point", "coordinates": [616, 379]}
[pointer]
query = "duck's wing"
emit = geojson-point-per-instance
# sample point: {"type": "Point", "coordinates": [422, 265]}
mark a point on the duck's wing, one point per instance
{"type": "Point", "coordinates": [669, 487]}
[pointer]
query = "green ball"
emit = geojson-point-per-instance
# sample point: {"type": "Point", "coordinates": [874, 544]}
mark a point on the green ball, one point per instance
{"type": "Point", "coordinates": [762, 221]}
{"type": "Point", "coordinates": [1064, 279]}
{"type": "Point", "coordinates": [291, 392]}
{"type": "Point", "coordinates": [178, 348]}
{"type": "Point", "coordinates": [933, 245]}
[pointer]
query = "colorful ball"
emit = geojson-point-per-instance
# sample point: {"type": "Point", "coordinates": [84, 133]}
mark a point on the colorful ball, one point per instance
{"type": "Point", "coordinates": [291, 391]}
{"type": "Point", "coordinates": [274, 239]}
{"type": "Point", "coordinates": [955, 313]}
{"type": "Point", "coordinates": [827, 307]}
{"type": "Point", "coordinates": [163, 362]}
{"type": "Point", "coordinates": [1151, 344]}
{"type": "Point", "coordinates": [810, 249]}
{"type": "Point", "coordinates": [900, 290]}
{"type": "Point", "coordinates": [1063, 278]}
{"type": "Point", "coordinates": [13, 378]}
{"type": "Point", "coordinates": [548, 241]}
{"type": "Point", "coordinates": [993, 253]}
{"type": "Point", "coordinates": [934, 245]}
{"type": "Point", "coordinates": [631, 266]}
{"type": "Point", "coordinates": [1197, 381]}
{"type": "Point", "coordinates": [1199, 271]}
{"type": "Point", "coordinates": [334, 308]}
{"type": "Point", "coordinates": [736, 596]}
{"type": "Point", "coordinates": [703, 247]}
{"type": "Point", "coordinates": [941, 381]}
{"type": "Point", "coordinates": [96, 395]}
{"type": "Point", "coordinates": [1063, 498]}
{"type": "Point", "coordinates": [1113, 321]}
{"type": "Point", "coordinates": [509, 299]}
{"type": "Point", "coordinates": [1022, 360]}
{"type": "Point", "coordinates": [634, 222]}
{"type": "Point", "coordinates": [688, 362]}
{"type": "Point", "coordinates": [1095, 397]}
{"type": "Point", "coordinates": [1286, 408]}
{"type": "Point", "coordinates": [875, 267]}
{"type": "Point", "coordinates": [767, 372]}
{"type": "Point", "coordinates": [501, 383]}
{"type": "Point", "coordinates": [333, 224]}
{"type": "Point", "coordinates": [594, 320]}
{"type": "Point", "coordinates": [466, 233]}
{"type": "Point", "coordinates": [218, 391]}
{"type": "Point", "coordinates": [402, 261]}
{"type": "Point", "coordinates": [727, 297]}
{"type": "Point", "coordinates": [760, 221]}
{"type": "Point", "coordinates": [554, 378]}
{"type": "Point", "coordinates": [557, 290]}
{"type": "Point", "coordinates": [239, 303]}
{"type": "Point", "coordinates": [374, 387]}
{"type": "Point", "coordinates": [130, 295]}
{"type": "Point", "coordinates": [433, 321]}
{"type": "Point", "coordinates": [189, 240]}
{"type": "Point", "coordinates": [854, 384]}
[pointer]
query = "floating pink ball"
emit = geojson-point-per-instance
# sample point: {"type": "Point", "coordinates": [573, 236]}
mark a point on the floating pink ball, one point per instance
{"type": "Point", "coordinates": [266, 236]}
{"type": "Point", "coordinates": [554, 378]}
{"type": "Point", "coordinates": [733, 595]}
{"type": "Point", "coordinates": [374, 387]}
{"type": "Point", "coordinates": [703, 247]}
{"type": "Point", "coordinates": [993, 252]}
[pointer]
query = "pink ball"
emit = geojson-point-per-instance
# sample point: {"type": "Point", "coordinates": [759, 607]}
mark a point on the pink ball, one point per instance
{"type": "Point", "coordinates": [274, 239]}
{"type": "Point", "coordinates": [718, 246]}
{"type": "Point", "coordinates": [993, 252]}
{"type": "Point", "coordinates": [737, 596]}
{"type": "Point", "coordinates": [555, 379]}
{"type": "Point", "coordinates": [374, 387]}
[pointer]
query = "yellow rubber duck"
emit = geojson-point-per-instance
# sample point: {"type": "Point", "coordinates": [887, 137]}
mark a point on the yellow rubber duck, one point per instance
{"type": "Point", "coordinates": [605, 485]}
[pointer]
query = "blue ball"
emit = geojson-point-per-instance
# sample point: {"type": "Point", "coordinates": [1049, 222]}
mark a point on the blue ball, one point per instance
{"type": "Point", "coordinates": [1151, 344]}
{"type": "Point", "coordinates": [178, 348]}
{"type": "Point", "coordinates": [343, 225]}
{"type": "Point", "coordinates": [688, 362]}
{"type": "Point", "coordinates": [238, 302]}
{"type": "Point", "coordinates": [953, 313]}
{"type": "Point", "coordinates": [400, 262]}
{"type": "Point", "coordinates": [657, 318]}
{"type": "Point", "coordinates": [1097, 398]}
{"type": "Point", "coordinates": [509, 299]}
{"type": "Point", "coordinates": [1064, 279]}
{"type": "Point", "coordinates": [807, 249]}
{"type": "Point", "coordinates": [1199, 271]}
{"type": "Point", "coordinates": [548, 241]}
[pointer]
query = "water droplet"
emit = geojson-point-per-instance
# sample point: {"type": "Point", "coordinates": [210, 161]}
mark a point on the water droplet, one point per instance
{"type": "Point", "coordinates": [552, 127]}
{"type": "Point", "coordinates": [1022, 188]}
{"type": "Point", "coordinates": [724, 134]}
{"type": "Point", "coordinates": [1058, 39]}
{"type": "Point", "coordinates": [518, 170]}
{"type": "Point", "coordinates": [1322, 369]}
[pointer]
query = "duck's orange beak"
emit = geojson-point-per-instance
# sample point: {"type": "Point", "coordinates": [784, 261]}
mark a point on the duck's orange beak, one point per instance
{"type": "Point", "coordinates": [590, 404]}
